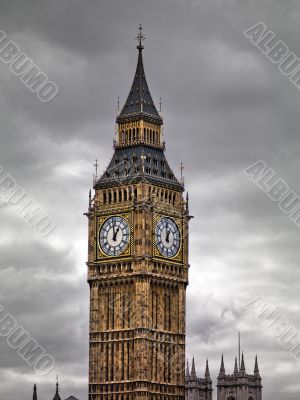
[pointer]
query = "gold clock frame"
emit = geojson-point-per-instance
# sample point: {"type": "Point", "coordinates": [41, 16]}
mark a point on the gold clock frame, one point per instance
{"type": "Point", "coordinates": [178, 257]}
{"type": "Point", "coordinates": [100, 220]}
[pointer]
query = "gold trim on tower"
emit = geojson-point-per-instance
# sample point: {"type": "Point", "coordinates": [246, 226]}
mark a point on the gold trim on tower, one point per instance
{"type": "Point", "coordinates": [156, 252]}
{"type": "Point", "coordinates": [100, 221]}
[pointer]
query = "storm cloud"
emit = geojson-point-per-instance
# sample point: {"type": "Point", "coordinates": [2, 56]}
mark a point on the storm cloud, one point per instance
{"type": "Point", "coordinates": [225, 107]}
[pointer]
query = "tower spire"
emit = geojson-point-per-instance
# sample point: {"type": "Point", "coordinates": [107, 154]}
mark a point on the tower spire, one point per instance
{"type": "Point", "coordinates": [34, 397]}
{"type": "Point", "coordinates": [56, 396]}
{"type": "Point", "coordinates": [193, 371]}
{"type": "Point", "coordinates": [242, 369]}
{"type": "Point", "coordinates": [222, 368]}
{"type": "Point", "coordinates": [236, 370]}
{"type": "Point", "coordinates": [139, 104]}
{"type": "Point", "coordinates": [256, 369]}
{"type": "Point", "coordinates": [207, 373]}
{"type": "Point", "coordinates": [187, 372]}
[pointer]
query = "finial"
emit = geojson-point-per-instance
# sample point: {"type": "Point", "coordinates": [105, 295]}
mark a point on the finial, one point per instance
{"type": "Point", "coordinates": [118, 103]}
{"type": "Point", "coordinates": [236, 370]}
{"type": "Point", "coordinates": [181, 171]}
{"type": "Point", "coordinates": [140, 37]}
{"type": "Point", "coordinates": [256, 369]}
{"type": "Point", "coordinates": [160, 104]}
{"type": "Point", "coordinates": [193, 371]}
{"type": "Point", "coordinates": [34, 397]}
{"type": "Point", "coordinates": [187, 372]}
{"type": "Point", "coordinates": [239, 350]}
{"type": "Point", "coordinates": [90, 198]}
{"type": "Point", "coordinates": [243, 369]}
{"type": "Point", "coordinates": [222, 368]}
{"type": "Point", "coordinates": [56, 396]}
{"type": "Point", "coordinates": [207, 373]}
{"type": "Point", "coordinates": [96, 165]}
{"type": "Point", "coordinates": [187, 200]}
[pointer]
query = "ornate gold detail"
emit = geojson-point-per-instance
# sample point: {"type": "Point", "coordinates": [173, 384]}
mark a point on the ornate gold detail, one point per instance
{"type": "Point", "coordinates": [100, 220]}
{"type": "Point", "coordinates": [156, 253]}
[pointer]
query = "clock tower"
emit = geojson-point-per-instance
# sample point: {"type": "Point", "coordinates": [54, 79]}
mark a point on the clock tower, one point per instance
{"type": "Point", "coordinates": [137, 261]}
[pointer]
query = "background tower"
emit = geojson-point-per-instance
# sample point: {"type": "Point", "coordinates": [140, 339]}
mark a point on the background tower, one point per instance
{"type": "Point", "coordinates": [137, 261]}
{"type": "Point", "coordinates": [198, 388]}
{"type": "Point", "coordinates": [239, 385]}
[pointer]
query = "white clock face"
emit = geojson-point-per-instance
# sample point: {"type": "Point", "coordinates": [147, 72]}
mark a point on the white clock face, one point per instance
{"type": "Point", "coordinates": [114, 236]}
{"type": "Point", "coordinates": [167, 237]}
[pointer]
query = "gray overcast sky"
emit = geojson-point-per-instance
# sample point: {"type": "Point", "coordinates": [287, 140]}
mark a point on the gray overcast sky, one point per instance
{"type": "Point", "coordinates": [225, 107]}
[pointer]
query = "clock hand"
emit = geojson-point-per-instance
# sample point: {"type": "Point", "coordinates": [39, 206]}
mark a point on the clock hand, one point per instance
{"type": "Point", "coordinates": [168, 235]}
{"type": "Point", "coordinates": [115, 235]}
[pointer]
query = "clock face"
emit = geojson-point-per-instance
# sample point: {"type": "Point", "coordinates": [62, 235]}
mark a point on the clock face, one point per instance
{"type": "Point", "coordinates": [114, 236]}
{"type": "Point", "coordinates": [167, 237]}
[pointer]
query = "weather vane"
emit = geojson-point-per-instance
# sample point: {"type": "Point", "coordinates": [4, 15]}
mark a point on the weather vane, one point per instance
{"type": "Point", "coordinates": [140, 37]}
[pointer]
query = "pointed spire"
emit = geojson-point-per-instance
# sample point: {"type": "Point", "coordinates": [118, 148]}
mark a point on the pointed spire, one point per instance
{"type": "Point", "coordinates": [139, 103]}
{"type": "Point", "coordinates": [207, 373]}
{"type": "Point", "coordinates": [256, 370]}
{"type": "Point", "coordinates": [243, 369]}
{"type": "Point", "coordinates": [34, 397]}
{"type": "Point", "coordinates": [193, 371]}
{"type": "Point", "coordinates": [187, 371]}
{"type": "Point", "coordinates": [56, 396]}
{"type": "Point", "coordinates": [236, 370]}
{"type": "Point", "coordinates": [222, 368]}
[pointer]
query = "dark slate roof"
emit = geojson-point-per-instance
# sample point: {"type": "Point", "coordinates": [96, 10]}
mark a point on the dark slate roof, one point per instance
{"type": "Point", "coordinates": [128, 167]}
{"type": "Point", "coordinates": [139, 103]}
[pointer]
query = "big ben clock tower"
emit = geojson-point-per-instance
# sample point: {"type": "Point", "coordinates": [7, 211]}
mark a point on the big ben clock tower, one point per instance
{"type": "Point", "coordinates": [137, 261]}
